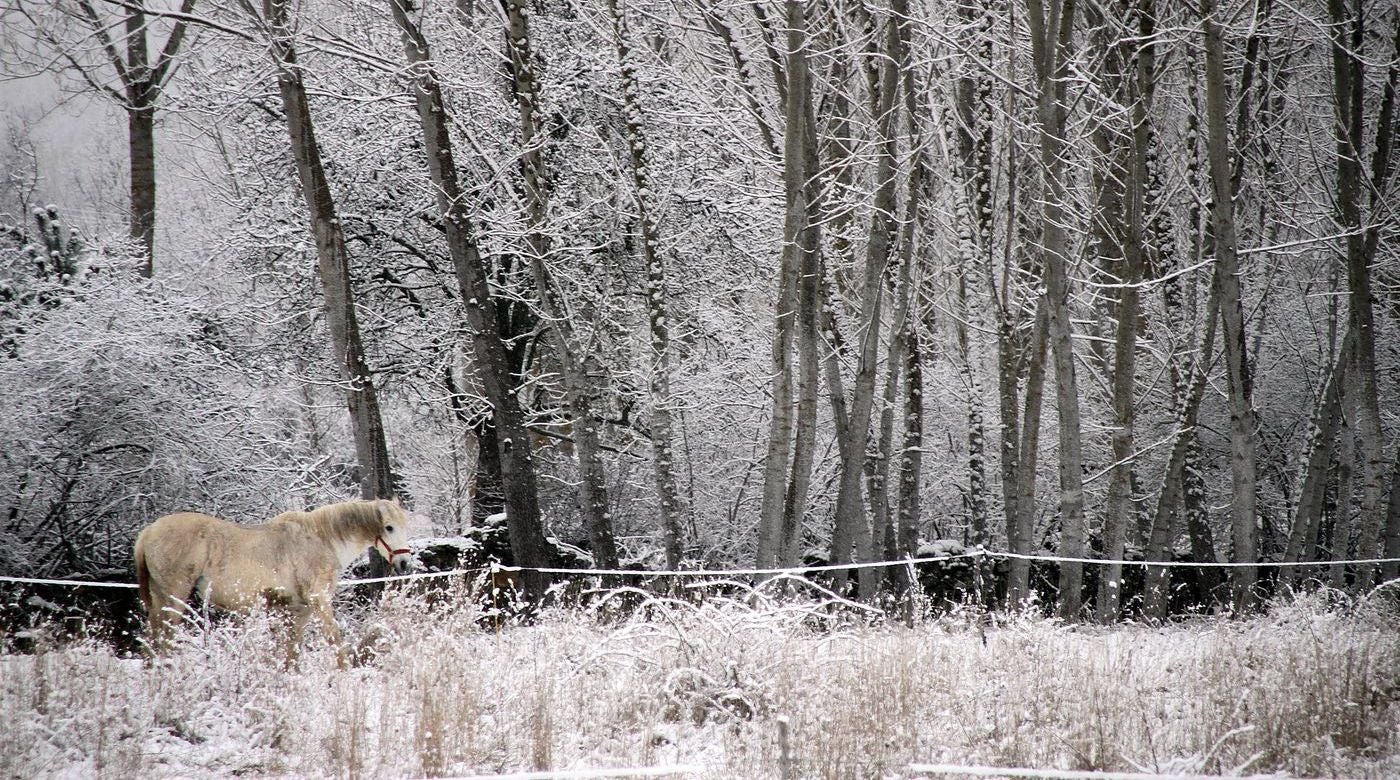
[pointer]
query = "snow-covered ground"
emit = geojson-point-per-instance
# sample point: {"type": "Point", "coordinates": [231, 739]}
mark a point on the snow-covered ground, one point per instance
{"type": "Point", "coordinates": [1308, 690]}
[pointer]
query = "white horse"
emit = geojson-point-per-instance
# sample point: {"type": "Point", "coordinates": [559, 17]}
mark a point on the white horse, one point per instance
{"type": "Point", "coordinates": [291, 562]}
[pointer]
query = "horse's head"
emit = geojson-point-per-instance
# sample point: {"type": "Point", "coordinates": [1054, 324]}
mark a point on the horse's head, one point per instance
{"type": "Point", "coordinates": [392, 543]}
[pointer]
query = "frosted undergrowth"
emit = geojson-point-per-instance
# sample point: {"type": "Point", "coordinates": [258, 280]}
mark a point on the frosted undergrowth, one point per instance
{"type": "Point", "coordinates": [1309, 690]}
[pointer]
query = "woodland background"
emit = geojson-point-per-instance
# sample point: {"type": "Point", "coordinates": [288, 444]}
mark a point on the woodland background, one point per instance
{"type": "Point", "coordinates": [713, 282]}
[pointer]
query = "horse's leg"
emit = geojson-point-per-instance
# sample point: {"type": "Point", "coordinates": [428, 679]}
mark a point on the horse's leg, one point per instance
{"type": "Point", "coordinates": [165, 605]}
{"type": "Point", "coordinates": [298, 613]}
{"type": "Point", "coordinates": [158, 620]}
{"type": "Point", "coordinates": [321, 604]}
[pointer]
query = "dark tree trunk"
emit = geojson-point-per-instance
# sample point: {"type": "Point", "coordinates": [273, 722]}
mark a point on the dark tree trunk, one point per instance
{"type": "Point", "coordinates": [141, 144]}
{"type": "Point", "coordinates": [523, 522]}
{"type": "Point", "coordinates": [377, 480]}
{"type": "Point", "coordinates": [1348, 38]}
{"type": "Point", "coordinates": [1243, 469]}
{"type": "Point", "coordinates": [662, 427]}
{"type": "Point", "coordinates": [1051, 25]}
{"type": "Point", "coordinates": [579, 388]}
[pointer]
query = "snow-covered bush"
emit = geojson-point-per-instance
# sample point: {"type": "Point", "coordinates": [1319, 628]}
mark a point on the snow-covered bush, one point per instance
{"type": "Point", "coordinates": [122, 402]}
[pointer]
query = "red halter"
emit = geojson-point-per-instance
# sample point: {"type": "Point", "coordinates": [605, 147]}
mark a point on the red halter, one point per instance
{"type": "Point", "coordinates": [379, 539]}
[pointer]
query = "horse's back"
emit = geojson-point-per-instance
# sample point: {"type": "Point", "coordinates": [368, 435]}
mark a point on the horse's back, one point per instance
{"type": "Point", "coordinates": [179, 536]}
{"type": "Point", "coordinates": [239, 565]}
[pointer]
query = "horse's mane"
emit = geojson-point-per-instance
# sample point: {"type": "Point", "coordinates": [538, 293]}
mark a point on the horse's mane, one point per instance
{"type": "Point", "coordinates": [348, 521]}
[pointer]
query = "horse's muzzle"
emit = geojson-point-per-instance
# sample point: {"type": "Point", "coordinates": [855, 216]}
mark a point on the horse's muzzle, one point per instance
{"type": "Point", "coordinates": [402, 564]}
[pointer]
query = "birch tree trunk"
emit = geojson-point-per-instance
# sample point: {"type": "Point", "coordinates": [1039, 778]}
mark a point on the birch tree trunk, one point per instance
{"type": "Point", "coordinates": [1051, 26]}
{"type": "Point", "coordinates": [662, 424]}
{"type": "Point", "coordinates": [523, 523]}
{"type": "Point", "coordinates": [1242, 456]}
{"type": "Point", "coordinates": [579, 388]}
{"type": "Point", "coordinates": [973, 134]}
{"type": "Point", "coordinates": [333, 261]}
{"type": "Point", "coordinates": [1348, 35]}
{"type": "Point", "coordinates": [851, 517]}
{"type": "Point", "coordinates": [785, 487]}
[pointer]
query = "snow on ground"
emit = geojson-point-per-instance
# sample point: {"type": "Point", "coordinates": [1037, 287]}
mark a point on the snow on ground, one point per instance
{"type": "Point", "coordinates": [1309, 690]}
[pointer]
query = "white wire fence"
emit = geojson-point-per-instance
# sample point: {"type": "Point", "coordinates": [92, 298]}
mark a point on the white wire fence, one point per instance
{"type": "Point", "coordinates": [794, 571]}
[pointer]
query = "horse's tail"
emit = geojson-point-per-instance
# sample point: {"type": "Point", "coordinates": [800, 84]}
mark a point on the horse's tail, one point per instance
{"type": "Point", "coordinates": [143, 573]}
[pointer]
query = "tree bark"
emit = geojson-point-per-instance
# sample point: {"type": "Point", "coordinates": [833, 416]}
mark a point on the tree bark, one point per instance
{"type": "Point", "coordinates": [579, 388]}
{"type": "Point", "coordinates": [785, 485]}
{"type": "Point", "coordinates": [1051, 26]}
{"type": "Point", "coordinates": [141, 146]}
{"type": "Point", "coordinates": [377, 479]}
{"type": "Point", "coordinates": [973, 133]}
{"type": "Point", "coordinates": [1322, 436]}
{"type": "Point", "coordinates": [141, 95]}
{"type": "Point", "coordinates": [1242, 448]}
{"type": "Point", "coordinates": [1348, 36]}
{"type": "Point", "coordinates": [662, 424]}
{"type": "Point", "coordinates": [523, 523]}
{"type": "Point", "coordinates": [851, 515]}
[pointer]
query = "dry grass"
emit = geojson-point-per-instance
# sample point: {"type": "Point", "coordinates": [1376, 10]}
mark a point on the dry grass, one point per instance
{"type": "Point", "coordinates": [1308, 690]}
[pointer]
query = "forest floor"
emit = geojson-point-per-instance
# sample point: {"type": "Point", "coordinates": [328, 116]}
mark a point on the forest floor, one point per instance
{"type": "Point", "coordinates": [1312, 689]}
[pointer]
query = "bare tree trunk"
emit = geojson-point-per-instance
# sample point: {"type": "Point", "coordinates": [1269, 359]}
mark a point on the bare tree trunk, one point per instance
{"type": "Point", "coordinates": [785, 489]}
{"type": "Point", "coordinates": [662, 425]}
{"type": "Point", "coordinates": [974, 144]}
{"type": "Point", "coordinates": [523, 522]}
{"type": "Point", "coordinates": [141, 146]}
{"type": "Point", "coordinates": [851, 516]}
{"type": "Point", "coordinates": [376, 480]}
{"type": "Point", "coordinates": [144, 82]}
{"type": "Point", "coordinates": [1348, 35]}
{"type": "Point", "coordinates": [1051, 25]}
{"type": "Point", "coordinates": [1021, 530]}
{"type": "Point", "coordinates": [1242, 456]}
{"type": "Point", "coordinates": [579, 390]}
{"type": "Point", "coordinates": [1322, 436]}
{"type": "Point", "coordinates": [1162, 531]}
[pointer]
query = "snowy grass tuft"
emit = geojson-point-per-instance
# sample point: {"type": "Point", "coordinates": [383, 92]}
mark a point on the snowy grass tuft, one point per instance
{"type": "Point", "coordinates": [1309, 690]}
